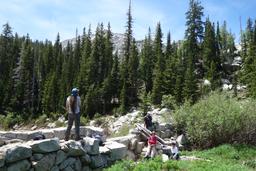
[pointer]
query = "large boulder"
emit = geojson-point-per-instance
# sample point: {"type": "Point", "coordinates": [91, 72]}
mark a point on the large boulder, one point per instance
{"type": "Point", "coordinates": [55, 168]}
{"type": "Point", "coordinates": [60, 157]}
{"type": "Point", "coordinates": [68, 162]}
{"type": "Point", "coordinates": [181, 140]}
{"type": "Point", "coordinates": [98, 161]}
{"type": "Point", "coordinates": [117, 150]}
{"type": "Point", "coordinates": [91, 145]}
{"type": "Point", "coordinates": [16, 152]}
{"type": "Point", "coordinates": [126, 140]}
{"type": "Point", "coordinates": [45, 146]}
{"type": "Point", "coordinates": [75, 148]}
{"type": "Point", "coordinates": [69, 168]}
{"type": "Point", "coordinates": [86, 168]}
{"type": "Point", "coordinates": [130, 155]}
{"type": "Point", "coordinates": [139, 147]}
{"type": "Point", "coordinates": [46, 163]}
{"type": "Point", "coordinates": [104, 150]}
{"type": "Point", "coordinates": [37, 156]}
{"type": "Point", "coordinates": [22, 135]}
{"type": "Point", "coordinates": [2, 141]}
{"type": "Point", "coordinates": [59, 132]}
{"type": "Point", "coordinates": [86, 159]}
{"type": "Point", "coordinates": [133, 144]}
{"type": "Point", "coordinates": [77, 165]}
{"type": "Point", "coordinates": [22, 165]}
{"type": "Point", "coordinates": [9, 135]}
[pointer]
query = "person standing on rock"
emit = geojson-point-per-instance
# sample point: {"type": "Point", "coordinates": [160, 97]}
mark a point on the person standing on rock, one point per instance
{"type": "Point", "coordinates": [148, 122]}
{"type": "Point", "coordinates": [73, 104]}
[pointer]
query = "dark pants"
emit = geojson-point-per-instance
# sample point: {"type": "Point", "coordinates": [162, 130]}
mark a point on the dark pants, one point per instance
{"type": "Point", "coordinates": [71, 118]}
{"type": "Point", "coordinates": [177, 157]}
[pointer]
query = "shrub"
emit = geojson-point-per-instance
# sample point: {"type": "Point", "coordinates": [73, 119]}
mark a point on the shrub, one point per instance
{"type": "Point", "coordinates": [10, 120]}
{"type": "Point", "coordinates": [169, 102]}
{"type": "Point", "coordinates": [83, 120]}
{"type": "Point", "coordinates": [41, 120]}
{"type": "Point", "coordinates": [218, 119]}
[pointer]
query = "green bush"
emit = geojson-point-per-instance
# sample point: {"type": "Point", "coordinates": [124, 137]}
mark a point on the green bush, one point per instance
{"type": "Point", "coordinates": [216, 120]}
{"type": "Point", "coordinates": [84, 121]}
{"type": "Point", "coordinates": [10, 120]}
{"type": "Point", "coordinates": [169, 102]}
{"type": "Point", "coordinates": [41, 120]}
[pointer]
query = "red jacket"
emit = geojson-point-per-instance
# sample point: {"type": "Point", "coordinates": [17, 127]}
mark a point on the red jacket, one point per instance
{"type": "Point", "coordinates": [152, 140]}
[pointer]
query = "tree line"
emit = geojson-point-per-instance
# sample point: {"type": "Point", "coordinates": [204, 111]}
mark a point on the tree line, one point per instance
{"type": "Point", "coordinates": [36, 77]}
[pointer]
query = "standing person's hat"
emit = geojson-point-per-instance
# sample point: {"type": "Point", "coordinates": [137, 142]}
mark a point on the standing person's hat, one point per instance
{"type": "Point", "coordinates": [74, 91]}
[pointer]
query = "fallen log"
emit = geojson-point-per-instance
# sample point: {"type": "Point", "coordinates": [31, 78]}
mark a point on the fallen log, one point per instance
{"type": "Point", "coordinates": [148, 133]}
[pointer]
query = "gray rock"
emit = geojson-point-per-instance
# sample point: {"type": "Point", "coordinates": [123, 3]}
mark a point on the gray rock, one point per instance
{"type": "Point", "coordinates": [104, 150]}
{"type": "Point", "coordinates": [10, 135]}
{"type": "Point", "coordinates": [55, 168]}
{"type": "Point", "coordinates": [139, 147]}
{"type": "Point", "coordinates": [22, 135]}
{"type": "Point", "coordinates": [33, 134]}
{"type": "Point", "coordinates": [68, 162]}
{"type": "Point", "coordinates": [130, 155]}
{"type": "Point", "coordinates": [90, 130]}
{"type": "Point", "coordinates": [68, 169]}
{"type": "Point", "coordinates": [165, 157]}
{"type": "Point", "coordinates": [22, 165]}
{"type": "Point", "coordinates": [92, 145]}
{"type": "Point", "coordinates": [181, 140]}
{"type": "Point", "coordinates": [86, 168]}
{"type": "Point", "coordinates": [2, 159]}
{"type": "Point", "coordinates": [86, 159]}
{"type": "Point", "coordinates": [77, 165]}
{"type": "Point", "coordinates": [45, 146]}
{"type": "Point", "coordinates": [12, 141]}
{"type": "Point", "coordinates": [75, 148]}
{"type": "Point", "coordinates": [16, 152]}
{"type": "Point", "coordinates": [126, 140]}
{"type": "Point", "coordinates": [98, 161]}
{"type": "Point", "coordinates": [133, 144]}
{"type": "Point", "coordinates": [59, 132]}
{"type": "Point", "coordinates": [117, 150]}
{"type": "Point", "coordinates": [2, 141]}
{"type": "Point", "coordinates": [60, 157]}
{"type": "Point", "coordinates": [37, 156]}
{"type": "Point", "coordinates": [46, 163]}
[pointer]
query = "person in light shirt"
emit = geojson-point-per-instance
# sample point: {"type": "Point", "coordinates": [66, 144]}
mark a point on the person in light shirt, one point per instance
{"type": "Point", "coordinates": [73, 104]}
{"type": "Point", "coordinates": [174, 150]}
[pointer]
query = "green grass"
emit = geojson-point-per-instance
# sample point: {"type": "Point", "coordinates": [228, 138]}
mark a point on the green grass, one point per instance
{"type": "Point", "coordinates": [222, 158]}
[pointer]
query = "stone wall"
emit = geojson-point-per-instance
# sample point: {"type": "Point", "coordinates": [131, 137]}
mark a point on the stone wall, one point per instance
{"type": "Point", "coordinates": [54, 155]}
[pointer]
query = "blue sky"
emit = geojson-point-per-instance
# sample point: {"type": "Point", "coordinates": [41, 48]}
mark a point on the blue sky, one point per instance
{"type": "Point", "coordinates": [45, 18]}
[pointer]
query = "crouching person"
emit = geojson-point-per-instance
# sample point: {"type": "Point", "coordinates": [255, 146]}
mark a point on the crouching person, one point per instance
{"type": "Point", "coordinates": [175, 152]}
{"type": "Point", "coordinates": [151, 152]}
